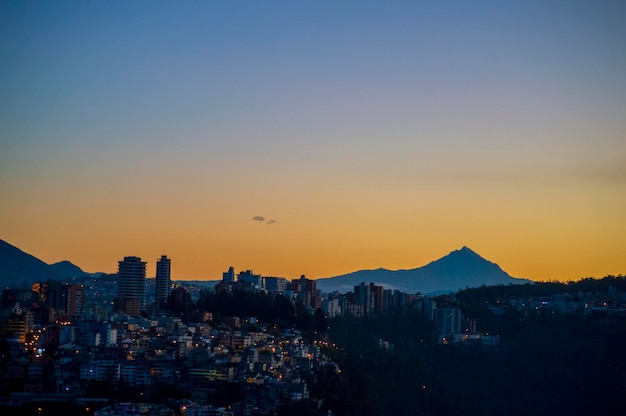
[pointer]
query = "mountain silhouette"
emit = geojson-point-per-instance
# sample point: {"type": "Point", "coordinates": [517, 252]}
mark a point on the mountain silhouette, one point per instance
{"type": "Point", "coordinates": [460, 269]}
{"type": "Point", "coordinates": [67, 270]}
{"type": "Point", "coordinates": [19, 269]}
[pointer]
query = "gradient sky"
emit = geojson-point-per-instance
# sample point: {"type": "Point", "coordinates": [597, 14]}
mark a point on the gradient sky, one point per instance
{"type": "Point", "coordinates": [375, 134]}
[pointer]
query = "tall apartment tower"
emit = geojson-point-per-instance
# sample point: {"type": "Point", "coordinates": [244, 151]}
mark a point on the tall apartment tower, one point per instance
{"type": "Point", "coordinates": [306, 290]}
{"type": "Point", "coordinates": [229, 276]}
{"type": "Point", "coordinates": [162, 283]}
{"type": "Point", "coordinates": [448, 321]}
{"type": "Point", "coordinates": [131, 293]}
{"type": "Point", "coordinates": [76, 299]}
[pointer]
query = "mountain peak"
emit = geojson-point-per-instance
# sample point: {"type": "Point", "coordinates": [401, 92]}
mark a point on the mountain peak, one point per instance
{"type": "Point", "coordinates": [464, 256]}
{"type": "Point", "coordinates": [459, 269]}
{"type": "Point", "coordinates": [67, 269]}
{"type": "Point", "coordinates": [466, 249]}
{"type": "Point", "coordinates": [19, 269]}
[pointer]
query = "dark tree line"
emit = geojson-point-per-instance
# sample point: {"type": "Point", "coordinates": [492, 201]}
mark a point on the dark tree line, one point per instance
{"type": "Point", "coordinates": [267, 308]}
{"type": "Point", "coordinates": [539, 289]}
{"type": "Point", "coordinates": [546, 364]}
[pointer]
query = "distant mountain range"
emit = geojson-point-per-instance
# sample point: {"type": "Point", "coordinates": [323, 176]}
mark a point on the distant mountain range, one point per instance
{"type": "Point", "coordinates": [20, 270]}
{"type": "Point", "coordinates": [458, 270]}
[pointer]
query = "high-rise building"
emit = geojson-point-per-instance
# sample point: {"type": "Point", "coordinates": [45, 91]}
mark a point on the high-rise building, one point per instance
{"type": "Point", "coordinates": [229, 276]}
{"type": "Point", "coordinates": [306, 290]}
{"type": "Point", "coordinates": [448, 321]}
{"type": "Point", "coordinates": [162, 283]}
{"type": "Point", "coordinates": [275, 284]}
{"type": "Point", "coordinates": [378, 297]}
{"type": "Point", "coordinates": [331, 307]}
{"type": "Point", "coordinates": [249, 278]}
{"type": "Point", "coordinates": [131, 293]}
{"type": "Point", "coordinates": [363, 296]}
{"type": "Point", "coordinates": [76, 299]}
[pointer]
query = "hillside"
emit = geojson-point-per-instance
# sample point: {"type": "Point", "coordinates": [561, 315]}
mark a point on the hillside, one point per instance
{"type": "Point", "coordinates": [19, 269]}
{"type": "Point", "coordinates": [459, 269]}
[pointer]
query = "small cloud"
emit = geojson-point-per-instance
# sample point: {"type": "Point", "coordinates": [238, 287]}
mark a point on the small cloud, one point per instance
{"type": "Point", "coordinates": [270, 222]}
{"type": "Point", "coordinates": [258, 218]}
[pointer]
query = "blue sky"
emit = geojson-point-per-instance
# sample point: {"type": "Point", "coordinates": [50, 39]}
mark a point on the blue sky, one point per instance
{"type": "Point", "coordinates": [328, 114]}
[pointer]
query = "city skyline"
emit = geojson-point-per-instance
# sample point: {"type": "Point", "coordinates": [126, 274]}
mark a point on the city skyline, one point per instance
{"type": "Point", "coordinates": [315, 139]}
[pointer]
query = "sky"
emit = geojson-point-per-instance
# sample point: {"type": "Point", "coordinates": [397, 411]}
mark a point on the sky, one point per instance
{"type": "Point", "coordinates": [364, 134]}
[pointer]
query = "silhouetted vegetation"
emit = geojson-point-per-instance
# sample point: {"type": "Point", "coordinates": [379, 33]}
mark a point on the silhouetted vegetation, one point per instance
{"type": "Point", "coordinates": [273, 309]}
{"type": "Point", "coordinates": [589, 285]}
{"type": "Point", "coordinates": [546, 363]}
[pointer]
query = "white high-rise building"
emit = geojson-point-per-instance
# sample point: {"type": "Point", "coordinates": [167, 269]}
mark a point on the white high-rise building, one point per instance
{"type": "Point", "coordinates": [131, 280]}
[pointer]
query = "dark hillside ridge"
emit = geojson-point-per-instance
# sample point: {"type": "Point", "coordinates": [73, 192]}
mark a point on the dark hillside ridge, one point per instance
{"type": "Point", "coordinates": [20, 270]}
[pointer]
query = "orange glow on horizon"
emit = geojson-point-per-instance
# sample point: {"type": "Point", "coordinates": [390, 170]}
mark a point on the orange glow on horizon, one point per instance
{"type": "Point", "coordinates": [373, 136]}
{"type": "Point", "coordinates": [527, 235]}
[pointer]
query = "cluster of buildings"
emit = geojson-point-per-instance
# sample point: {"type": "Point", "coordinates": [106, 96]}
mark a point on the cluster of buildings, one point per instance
{"type": "Point", "coordinates": [131, 293]}
{"type": "Point", "coordinates": [65, 338]}
{"type": "Point", "coordinates": [268, 366]}
{"type": "Point", "coordinates": [366, 299]}
{"type": "Point", "coordinates": [598, 304]}
{"type": "Point", "coordinates": [123, 331]}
